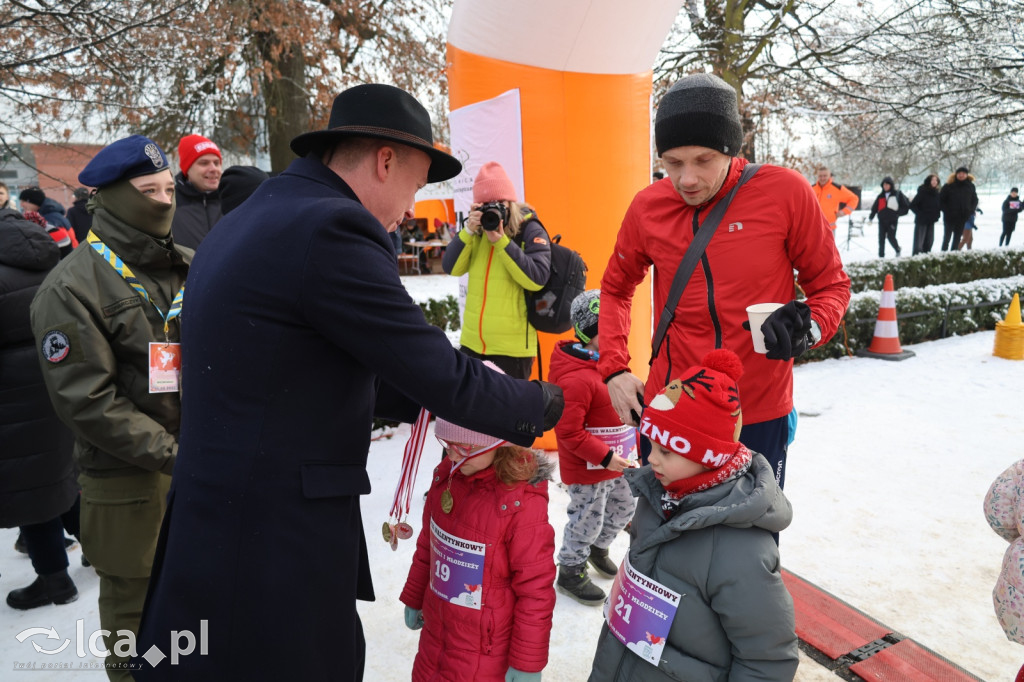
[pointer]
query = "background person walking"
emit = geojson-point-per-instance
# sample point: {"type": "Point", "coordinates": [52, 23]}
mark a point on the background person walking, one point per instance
{"type": "Point", "coordinates": [958, 200]}
{"type": "Point", "coordinates": [925, 206]}
{"type": "Point", "coordinates": [889, 205]}
{"type": "Point", "coordinates": [1011, 209]}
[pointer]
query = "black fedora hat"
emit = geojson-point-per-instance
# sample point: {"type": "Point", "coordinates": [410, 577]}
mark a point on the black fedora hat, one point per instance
{"type": "Point", "coordinates": [385, 112]}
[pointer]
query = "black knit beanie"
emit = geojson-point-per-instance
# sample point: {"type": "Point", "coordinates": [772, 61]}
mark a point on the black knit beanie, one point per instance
{"type": "Point", "coordinates": [33, 195]}
{"type": "Point", "coordinates": [701, 110]}
{"type": "Point", "coordinates": [236, 184]}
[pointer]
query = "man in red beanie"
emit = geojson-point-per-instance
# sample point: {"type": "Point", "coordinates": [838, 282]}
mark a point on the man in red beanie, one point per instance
{"type": "Point", "coordinates": [197, 198]}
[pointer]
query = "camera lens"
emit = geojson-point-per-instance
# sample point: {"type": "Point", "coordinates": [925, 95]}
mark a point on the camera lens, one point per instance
{"type": "Point", "coordinates": [490, 220]}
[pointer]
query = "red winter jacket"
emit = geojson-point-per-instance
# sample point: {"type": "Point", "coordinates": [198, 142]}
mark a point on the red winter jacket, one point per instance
{"type": "Point", "coordinates": [586, 404]}
{"type": "Point", "coordinates": [773, 226]}
{"type": "Point", "coordinates": [513, 625]}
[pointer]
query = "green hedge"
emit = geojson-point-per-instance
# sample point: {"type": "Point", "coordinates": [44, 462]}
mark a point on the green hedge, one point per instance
{"type": "Point", "coordinates": [929, 269]}
{"type": "Point", "coordinates": [924, 313]}
{"type": "Point", "coordinates": [443, 313]}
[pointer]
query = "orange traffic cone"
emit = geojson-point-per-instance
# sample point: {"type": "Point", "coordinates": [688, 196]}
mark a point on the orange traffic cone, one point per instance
{"type": "Point", "coordinates": [886, 343]}
{"type": "Point", "coordinates": [1010, 334]}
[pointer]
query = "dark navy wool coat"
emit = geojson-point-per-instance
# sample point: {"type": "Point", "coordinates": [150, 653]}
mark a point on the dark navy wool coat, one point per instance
{"type": "Point", "coordinates": [296, 331]}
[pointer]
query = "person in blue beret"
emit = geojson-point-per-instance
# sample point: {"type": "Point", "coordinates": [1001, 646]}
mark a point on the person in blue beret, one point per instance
{"type": "Point", "coordinates": [107, 327]}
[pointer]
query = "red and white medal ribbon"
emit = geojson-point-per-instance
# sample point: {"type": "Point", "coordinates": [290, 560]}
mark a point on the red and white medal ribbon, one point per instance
{"type": "Point", "coordinates": [396, 528]}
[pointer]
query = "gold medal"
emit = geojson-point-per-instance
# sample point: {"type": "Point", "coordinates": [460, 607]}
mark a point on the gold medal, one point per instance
{"type": "Point", "coordinates": [386, 532]}
{"type": "Point", "coordinates": [447, 502]}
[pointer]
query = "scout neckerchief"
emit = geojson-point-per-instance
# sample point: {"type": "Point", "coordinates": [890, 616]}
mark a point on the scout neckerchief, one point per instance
{"type": "Point", "coordinates": [126, 272]}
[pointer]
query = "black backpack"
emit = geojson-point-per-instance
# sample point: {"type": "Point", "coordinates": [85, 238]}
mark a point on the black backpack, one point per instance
{"type": "Point", "coordinates": [548, 309]}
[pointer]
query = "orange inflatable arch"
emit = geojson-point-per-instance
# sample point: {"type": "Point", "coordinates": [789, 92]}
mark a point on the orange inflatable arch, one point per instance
{"type": "Point", "coordinates": [583, 72]}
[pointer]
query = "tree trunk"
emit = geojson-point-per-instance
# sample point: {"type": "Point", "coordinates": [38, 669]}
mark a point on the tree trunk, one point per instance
{"type": "Point", "coordinates": [285, 97]}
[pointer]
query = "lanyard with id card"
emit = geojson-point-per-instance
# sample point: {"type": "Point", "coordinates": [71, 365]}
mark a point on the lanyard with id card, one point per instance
{"type": "Point", "coordinates": [165, 357]}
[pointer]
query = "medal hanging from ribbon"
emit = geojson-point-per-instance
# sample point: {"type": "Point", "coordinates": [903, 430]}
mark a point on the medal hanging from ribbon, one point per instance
{"type": "Point", "coordinates": [396, 527]}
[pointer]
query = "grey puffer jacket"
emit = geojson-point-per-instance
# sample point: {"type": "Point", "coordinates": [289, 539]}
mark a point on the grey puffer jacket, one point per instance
{"type": "Point", "coordinates": [735, 619]}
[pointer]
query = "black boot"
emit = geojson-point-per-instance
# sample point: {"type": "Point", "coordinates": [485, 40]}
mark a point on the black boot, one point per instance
{"type": "Point", "coordinates": [53, 588]}
{"type": "Point", "coordinates": [574, 581]}
{"type": "Point", "coordinates": [601, 563]}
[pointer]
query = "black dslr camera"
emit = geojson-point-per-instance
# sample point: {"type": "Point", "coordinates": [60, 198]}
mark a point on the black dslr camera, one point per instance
{"type": "Point", "coordinates": [492, 215]}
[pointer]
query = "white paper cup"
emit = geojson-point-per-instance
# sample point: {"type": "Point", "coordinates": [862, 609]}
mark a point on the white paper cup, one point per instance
{"type": "Point", "coordinates": [757, 314]}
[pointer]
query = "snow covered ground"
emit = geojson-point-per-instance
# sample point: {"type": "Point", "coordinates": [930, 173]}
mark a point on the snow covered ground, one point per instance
{"type": "Point", "coordinates": [887, 475]}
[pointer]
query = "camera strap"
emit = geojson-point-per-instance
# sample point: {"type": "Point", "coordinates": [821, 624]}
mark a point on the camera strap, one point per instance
{"type": "Point", "coordinates": [693, 254]}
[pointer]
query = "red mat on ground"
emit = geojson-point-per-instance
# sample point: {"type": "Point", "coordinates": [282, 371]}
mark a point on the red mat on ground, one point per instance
{"type": "Point", "coordinates": [907, 660]}
{"type": "Point", "coordinates": [828, 624]}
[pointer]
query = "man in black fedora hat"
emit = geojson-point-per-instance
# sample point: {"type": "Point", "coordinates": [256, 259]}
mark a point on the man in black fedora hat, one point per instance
{"type": "Point", "coordinates": [295, 336]}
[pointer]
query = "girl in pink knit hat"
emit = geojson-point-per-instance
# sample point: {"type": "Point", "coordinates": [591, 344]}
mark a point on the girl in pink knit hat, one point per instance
{"type": "Point", "coordinates": [481, 581]}
{"type": "Point", "coordinates": [505, 250]}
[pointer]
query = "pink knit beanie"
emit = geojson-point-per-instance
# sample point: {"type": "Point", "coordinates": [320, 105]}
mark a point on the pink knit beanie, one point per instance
{"type": "Point", "coordinates": [493, 184]}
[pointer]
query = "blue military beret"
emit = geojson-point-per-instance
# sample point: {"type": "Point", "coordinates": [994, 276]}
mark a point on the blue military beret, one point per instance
{"type": "Point", "coordinates": [129, 157]}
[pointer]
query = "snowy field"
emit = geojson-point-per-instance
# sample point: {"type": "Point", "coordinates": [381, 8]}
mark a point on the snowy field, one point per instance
{"type": "Point", "coordinates": [887, 475]}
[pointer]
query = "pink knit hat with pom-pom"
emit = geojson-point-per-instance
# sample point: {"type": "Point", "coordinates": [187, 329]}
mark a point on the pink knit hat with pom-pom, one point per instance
{"type": "Point", "coordinates": [698, 414]}
{"type": "Point", "coordinates": [493, 184]}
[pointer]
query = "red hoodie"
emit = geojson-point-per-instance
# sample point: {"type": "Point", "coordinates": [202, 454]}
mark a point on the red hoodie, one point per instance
{"type": "Point", "coordinates": [773, 226]}
{"type": "Point", "coordinates": [586, 404]}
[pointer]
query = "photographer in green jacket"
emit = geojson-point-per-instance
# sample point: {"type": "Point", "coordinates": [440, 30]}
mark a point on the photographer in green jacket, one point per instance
{"type": "Point", "coordinates": [505, 250]}
{"type": "Point", "coordinates": [107, 324]}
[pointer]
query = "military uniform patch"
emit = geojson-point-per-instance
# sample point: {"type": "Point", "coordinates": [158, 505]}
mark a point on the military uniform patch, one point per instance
{"type": "Point", "coordinates": [55, 346]}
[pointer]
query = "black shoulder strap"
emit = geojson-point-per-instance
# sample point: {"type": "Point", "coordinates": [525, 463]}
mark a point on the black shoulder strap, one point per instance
{"type": "Point", "coordinates": [693, 254]}
{"type": "Point", "coordinates": [520, 239]}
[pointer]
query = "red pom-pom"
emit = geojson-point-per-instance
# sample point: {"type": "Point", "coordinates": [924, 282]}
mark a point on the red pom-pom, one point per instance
{"type": "Point", "coordinates": [725, 361]}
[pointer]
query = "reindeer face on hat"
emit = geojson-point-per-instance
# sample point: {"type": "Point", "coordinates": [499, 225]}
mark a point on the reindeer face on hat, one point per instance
{"type": "Point", "coordinates": [698, 415]}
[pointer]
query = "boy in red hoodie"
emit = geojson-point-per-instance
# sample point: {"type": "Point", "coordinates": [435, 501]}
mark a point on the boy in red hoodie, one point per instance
{"type": "Point", "coordinates": [594, 447]}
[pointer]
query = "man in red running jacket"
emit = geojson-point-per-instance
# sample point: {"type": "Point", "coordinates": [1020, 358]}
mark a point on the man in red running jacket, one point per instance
{"type": "Point", "coordinates": [773, 227]}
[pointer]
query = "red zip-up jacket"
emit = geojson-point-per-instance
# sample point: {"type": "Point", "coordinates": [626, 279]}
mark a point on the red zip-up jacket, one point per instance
{"type": "Point", "coordinates": [586, 404]}
{"type": "Point", "coordinates": [512, 627]}
{"type": "Point", "coordinates": [773, 226]}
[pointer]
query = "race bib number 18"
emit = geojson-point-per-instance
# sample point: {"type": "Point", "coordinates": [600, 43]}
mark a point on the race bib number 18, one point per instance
{"type": "Point", "coordinates": [620, 439]}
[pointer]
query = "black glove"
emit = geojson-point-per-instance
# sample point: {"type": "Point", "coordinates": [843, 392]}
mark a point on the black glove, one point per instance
{"type": "Point", "coordinates": [787, 331]}
{"type": "Point", "coordinates": [554, 403]}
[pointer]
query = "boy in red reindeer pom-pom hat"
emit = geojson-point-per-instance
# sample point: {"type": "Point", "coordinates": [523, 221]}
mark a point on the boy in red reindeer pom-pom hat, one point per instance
{"type": "Point", "coordinates": [702, 560]}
